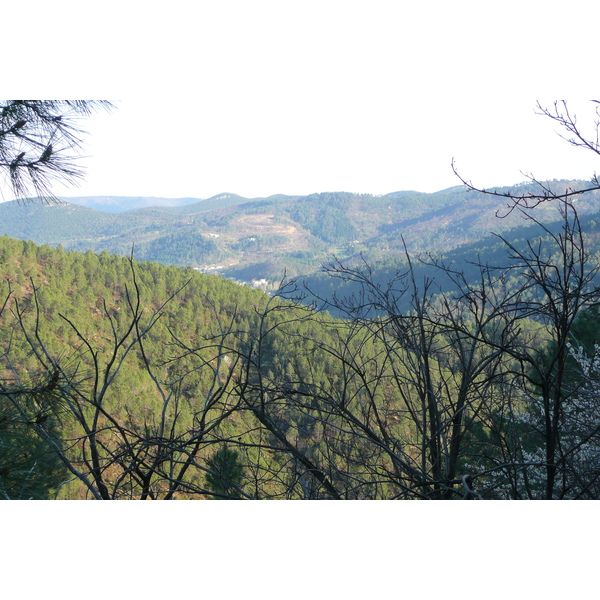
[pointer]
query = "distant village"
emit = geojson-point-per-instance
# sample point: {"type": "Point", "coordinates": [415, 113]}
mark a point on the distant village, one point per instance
{"type": "Point", "coordinates": [259, 284]}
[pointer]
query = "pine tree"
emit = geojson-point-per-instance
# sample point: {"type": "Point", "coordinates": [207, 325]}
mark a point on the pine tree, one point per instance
{"type": "Point", "coordinates": [226, 474]}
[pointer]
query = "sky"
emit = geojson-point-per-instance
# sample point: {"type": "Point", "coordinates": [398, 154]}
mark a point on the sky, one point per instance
{"type": "Point", "coordinates": [357, 142]}
{"type": "Point", "coordinates": [261, 98]}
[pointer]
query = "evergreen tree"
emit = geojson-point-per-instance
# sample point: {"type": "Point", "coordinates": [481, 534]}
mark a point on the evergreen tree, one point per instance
{"type": "Point", "coordinates": [226, 474]}
{"type": "Point", "coordinates": [38, 140]}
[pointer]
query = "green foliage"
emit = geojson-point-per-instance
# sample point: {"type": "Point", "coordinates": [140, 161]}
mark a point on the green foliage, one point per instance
{"type": "Point", "coordinates": [191, 249]}
{"type": "Point", "coordinates": [586, 329]}
{"type": "Point", "coordinates": [226, 474]}
{"type": "Point", "coordinates": [84, 296]}
{"type": "Point", "coordinates": [325, 216]}
{"type": "Point", "coordinates": [29, 466]}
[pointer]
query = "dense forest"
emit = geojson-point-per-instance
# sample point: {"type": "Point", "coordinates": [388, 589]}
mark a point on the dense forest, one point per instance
{"type": "Point", "coordinates": [129, 379]}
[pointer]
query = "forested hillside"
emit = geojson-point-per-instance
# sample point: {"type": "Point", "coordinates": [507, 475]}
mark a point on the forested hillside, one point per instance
{"type": "Point", "coordinates": [466, 259]}
{"type": "Point", "coordinates": [189, 323]}
{"type": "Point", "coordinates": [127, 379]}
{"type": "Point", "coordinates": [264, 237]}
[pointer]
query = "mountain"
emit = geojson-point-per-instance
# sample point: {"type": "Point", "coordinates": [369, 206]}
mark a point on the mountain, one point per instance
{"type": "Point", "coordinates": [263, 238]}
{"type": "Point", "coordinates": [119, 204]}
{"type": "Point", "coordinates": [321, 288]}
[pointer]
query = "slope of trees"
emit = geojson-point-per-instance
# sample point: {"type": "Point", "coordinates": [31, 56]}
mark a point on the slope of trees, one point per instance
{"type": "Point", "coordinates": [67, 323]}
{"type": "Point", "coordinates": [131, 384]}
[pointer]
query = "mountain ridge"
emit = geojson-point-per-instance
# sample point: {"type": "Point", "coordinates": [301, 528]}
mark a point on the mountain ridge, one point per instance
{"type": "Point", "coordinates": [263, 238]}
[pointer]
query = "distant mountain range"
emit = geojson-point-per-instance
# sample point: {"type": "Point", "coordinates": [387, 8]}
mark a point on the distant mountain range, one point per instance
{"type": "Point", "coordinates": [263, 238]}
{"type": "Point", "coordinates": [119, 204]}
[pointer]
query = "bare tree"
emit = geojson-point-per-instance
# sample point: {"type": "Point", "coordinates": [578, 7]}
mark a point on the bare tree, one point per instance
{"type": "Point", "coordinates": [440, 374]}
{"type": "Point", "coordinates": [381, 406]}
{"type": "Point", "coordinates": [574, 135]}
{"type": "Point", "coordinates": [558, 278]}
{"type": "Point", "coordinates": [107, 443]}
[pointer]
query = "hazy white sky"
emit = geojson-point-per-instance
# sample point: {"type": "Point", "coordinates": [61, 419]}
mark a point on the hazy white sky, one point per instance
{"type": "Point", "coordinates": [266, 97]}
